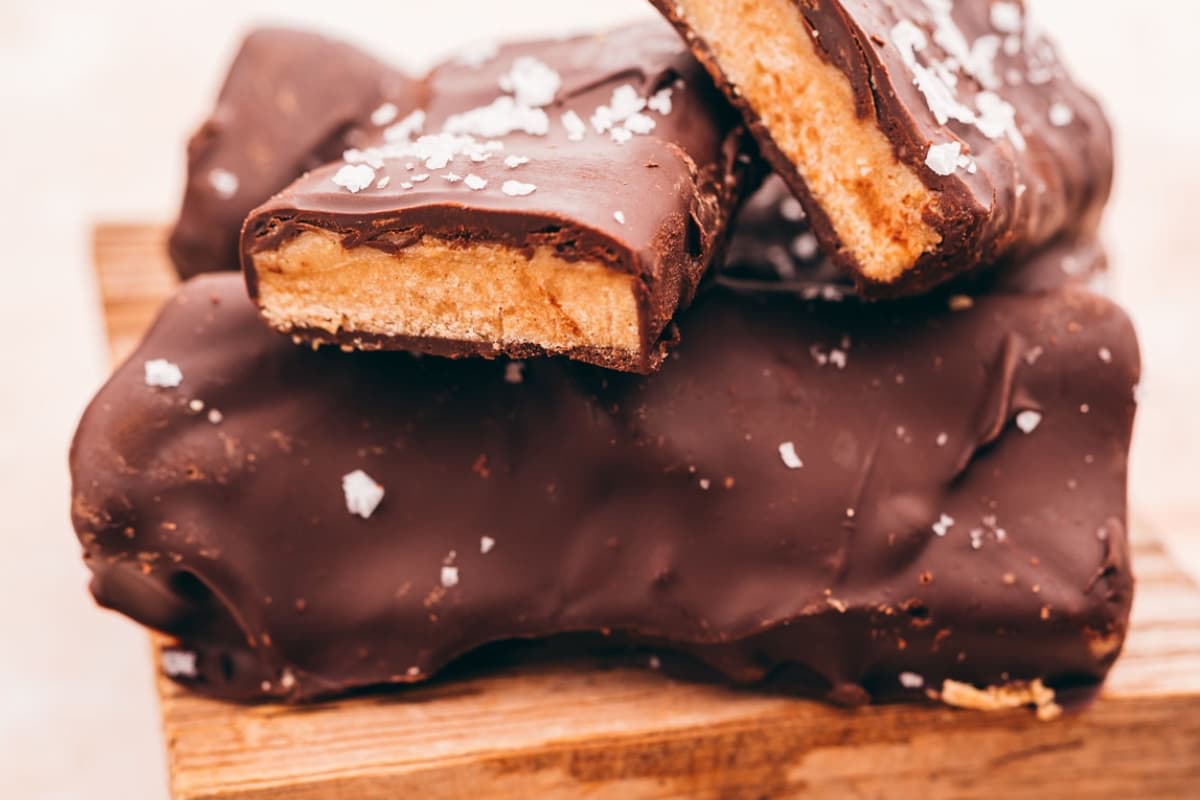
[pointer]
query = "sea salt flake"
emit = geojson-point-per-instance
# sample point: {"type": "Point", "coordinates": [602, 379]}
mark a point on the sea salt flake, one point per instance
{"type": "Point", "coordinates": [943, 158]}
{"type": "Point", "coordinates": [477, 54]}
{"type": "Point", "coordinates": [420, 178]}
{"type": "Point", "coordinates": [575, 126]}
{"type": "Point", "coordinates": [805, 246]}
{"type": "Point", "coordinates": [518, 189]}
{"type": "Point", "coordinates": [179, 663]}
{"type": "Point", "coordinates": [1006, 17]}
{"type": "Point", "coordinates": [705, 484]}
{"type": "Point", "coordinates": [215, 417]}
{"type": "Point", "coordinates": [943, 439]}
{"type": "Point", "coordinates": [619, 216]}
{"type": "Point", "coordinates": [512, 162]}
{"type": "Point", "coordinates": [837, 358]}
{"type": "Point", "coordinates": [383, 182]}
{"type": "Point", "coordinates": [911, 680]}
{"type": "Point", "coordinates": [405, 129]}
{"type": "Point", "coordinates": [787, 452]}
{"type": "Point", "coordinates": [1034, 355]}
{"type": "Point", "coordinates": [452, 177]}
{"type": "Point", "coordinates": [1061, 115]}
{"type": "Point", "coordinates": [363, 494]}
{"type": "Point", "coordinates": [621, 135]}
{"type": "Point", "coordinates": [354, 177]}
{"type": "Point", "coordinates": [1028, 421]}
{"type": "Point", "coordinates": [502, 117]}
{"type": "Point", "coordinates": [660, 101]}
{"type": "Point", "coordinates": [486, 543]}
{"type": "Point", "coordinates": [196, 406]}
{"type": "Point", "coordinates": [223, 182]}
{"type": "Point", "coordinates": [449, 577]}
{"type": "Point", "coordinates": [531, 82]}
{"type": "Point", "coordinates": [514, 372]}
{"type": "Point", "coordinates": [791, 210]}
{"type": "Point", "coordinates": [475, 183]}
{"type": "Point", "coordinates": [943, 525]}
{"type": "Point", "coordinates": [162, 374]}
{"type": "Point", "coordinates": [640, 124]}
{"type": "Point", "coordinates": [976, 539]}
{"type": "Point", "coordinates": [384, 115]}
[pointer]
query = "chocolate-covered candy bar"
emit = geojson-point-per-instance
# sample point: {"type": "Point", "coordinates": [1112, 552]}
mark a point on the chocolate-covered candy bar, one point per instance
{"type": "Point", "coordinates": [773, 243]}
{"type": "Point", "coordinates": [562, 197]}
{"type": "Point", "coordinates": [856, 505]}
{"type": "Point", "coordinates": [292, 101]}
{"type": "Point", "coordinates": [926, 138]}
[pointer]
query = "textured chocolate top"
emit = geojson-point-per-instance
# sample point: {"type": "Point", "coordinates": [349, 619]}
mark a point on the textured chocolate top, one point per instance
{"type": "Point", "coordinates": [774, 243]}
{"type": "Point", "coordinates": [804, 490]}
{"type": "Point", "coordinates": [974, 99]}
{"type": "Point", "coordinates": [612, 147]}
{"type": "Point", "coordinates": [292, 100]}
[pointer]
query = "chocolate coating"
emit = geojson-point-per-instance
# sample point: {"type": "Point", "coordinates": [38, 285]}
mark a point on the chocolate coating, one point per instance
{"type": "Point", "coordinates": [773, 243]}
{"type": "Point", "coordinates": [924, 532]}
{"type": "Point", "coordinates": [292, 100]}
{"type": "Point", "coordinates": [657, 206]}
{"type": "Point", "coordinates": [1047, 178]}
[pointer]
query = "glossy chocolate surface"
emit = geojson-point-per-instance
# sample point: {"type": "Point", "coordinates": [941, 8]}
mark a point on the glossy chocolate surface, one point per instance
{"type": "Point", "coordinates": [805, 490]}
{"type": "Point", "coordinates": [291, 101]}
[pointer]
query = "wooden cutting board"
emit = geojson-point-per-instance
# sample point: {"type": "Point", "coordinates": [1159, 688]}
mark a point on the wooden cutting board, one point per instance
{"type": "Point", "coordinates": [598, 730]}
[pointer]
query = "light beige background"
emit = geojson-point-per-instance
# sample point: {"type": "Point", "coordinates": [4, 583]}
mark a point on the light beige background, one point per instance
{"type": "Point", "coordinates": [97, 99]}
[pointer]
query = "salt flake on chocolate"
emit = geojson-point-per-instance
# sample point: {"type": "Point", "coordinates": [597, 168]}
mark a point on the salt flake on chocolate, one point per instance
{"type": "Point", "coordinates": [787, 452]}
{"type": "Point", "coordinates": [1061, 115]}
{"type": "Point", "coordinates": [518, 189]}
{"type": "Point", "coordinates": [943, 159]}
{"type": "Point", "coordinates": [1006, 17]}
{"type": "Point", "coordinates": [531, 82]}
{"type": "Point", "coordinates": [512, 162]}
{"type": "Point", "coordinates": [354, 177]}
{"type": "Point", "coordinates": [449, 577]}
{"type": "Point", "coordinates": [223, 182]}
{"type": "Point", "coordinates": [363, 494]}
{"type": "Point", "coordinates": [943, 525]}
{"type": "Point", "coordinates": [475, 183]}
{"type": "Point", "coordinates": [477, 54]}
{"type": "Point", "coordinates": [384, 115]}
{"type": "Point", "coordinates": [660, 101]}
{"type": "Point", "coordinates": [504, 116]}
{"type": "Point", "coordinates": [575, 126]}
{"type": "Point", "coordinates": [1028, 421]}
{"type": "Point", "coordinates": [162, 374]}
{"type": "Point", "coordinates": [407, 128]}
{"type": "Point", "coordinates": [619, 216]}
{"type": "Point", "coordinates": [486, 543]}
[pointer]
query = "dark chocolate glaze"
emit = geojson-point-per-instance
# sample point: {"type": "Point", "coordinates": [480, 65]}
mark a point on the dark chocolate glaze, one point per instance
{"type": "Point", "coordinates": [773, 243]}
{"type": "Point", "coordinates": [659, 510]}
{"type": "Point", "coordinates": [1019, 198]}
{"type": "Point", "coordinates": [292, 101]}
{"type": "Point", "coordinates": [656, 207]}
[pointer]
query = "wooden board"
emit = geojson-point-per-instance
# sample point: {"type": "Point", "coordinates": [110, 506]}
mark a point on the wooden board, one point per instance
{"type": "Point", "coordinates": [599, 731]}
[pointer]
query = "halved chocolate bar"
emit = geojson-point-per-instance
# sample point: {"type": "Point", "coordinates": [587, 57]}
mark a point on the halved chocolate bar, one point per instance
{"type": "Point", "coordinates": [858, 505]}
{"type": "Point", "coordinates": [926, 138]}
{"type": "Point", "coordinates": [292, 100]}
{"type": "Point", "coordinates": [561, 197]}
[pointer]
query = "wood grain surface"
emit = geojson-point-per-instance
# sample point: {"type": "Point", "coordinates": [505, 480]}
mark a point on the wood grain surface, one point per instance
{"type": "Point", "coordinates": [598, 730]}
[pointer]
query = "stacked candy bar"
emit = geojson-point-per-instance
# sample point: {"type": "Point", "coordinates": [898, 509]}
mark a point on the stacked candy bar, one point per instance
{"type": "Point", "coordinates": [587, 377]}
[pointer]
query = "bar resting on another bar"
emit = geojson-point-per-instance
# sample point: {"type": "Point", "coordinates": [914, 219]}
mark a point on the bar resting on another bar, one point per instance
{"type": "Point", "coordinates": [561, 197]}
{"type": "Point", "coordinates": [926, 138]}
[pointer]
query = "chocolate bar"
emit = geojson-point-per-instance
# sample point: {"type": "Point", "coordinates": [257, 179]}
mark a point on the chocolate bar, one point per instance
{"type": "Point", "coordinates": [857, 506]}
{"type": "Point", "coordinates": [925, 138]}
{"type": "Point", "coordinates": [292, 101]}
{"type": "Point", "coordinates": [773, 243]}
{"type": "Point", "coordinates": [560, 197]}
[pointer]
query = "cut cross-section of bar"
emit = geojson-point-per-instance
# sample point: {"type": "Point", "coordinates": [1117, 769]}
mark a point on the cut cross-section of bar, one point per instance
{"type": "Point", "coordinates": [563, 197]}
{"type": "Point", "coordinates": [926, 138]}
